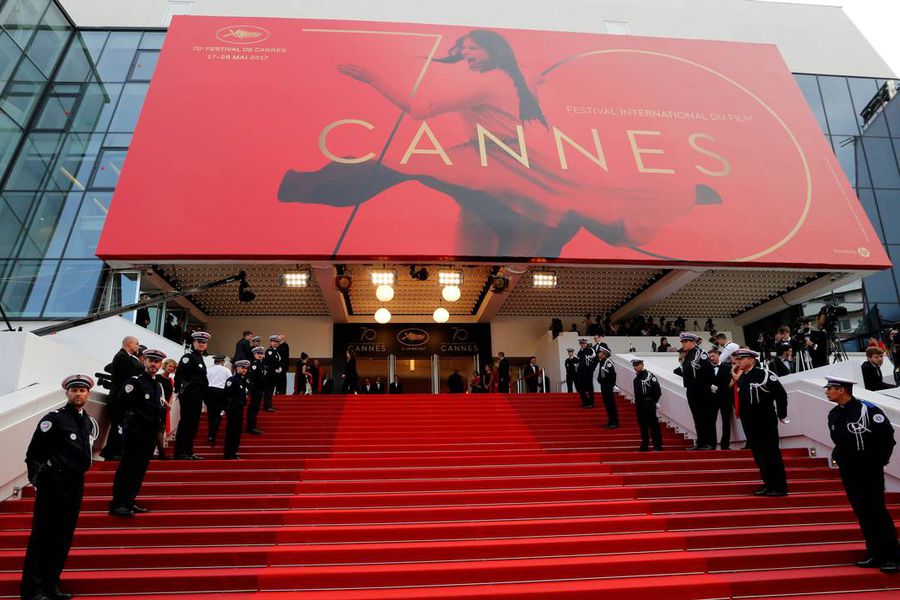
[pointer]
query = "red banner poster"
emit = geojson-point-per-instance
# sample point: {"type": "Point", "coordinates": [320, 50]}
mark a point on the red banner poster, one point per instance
{"type": "Point", "coordinates": [300, 139]}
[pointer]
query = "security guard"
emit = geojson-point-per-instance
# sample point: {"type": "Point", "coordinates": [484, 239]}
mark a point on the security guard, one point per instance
{"type": "Point", "coordinates": [190, 385]}
{"type": "Point", "coordinates": [863, 442]}
{"type": "Point", "coordinates": [143, 404]}
{"type": "Point", "coordinates": [571, 364]}
{"type": "Point", "coordinates": [647, 392]}
{"type": "Point", "coordinates": [256, 383]}
{"type": "Point", "coordinates": [57, 458]}
{"type": "Point", "coordinates": [762, 402]}
{"type": "Point", "coordinates": [606, 377]}
{"type": "Point", "coordinates": [274, 369]}
{"type": "Point", "coordinates": [584, 381]}
{"type": "Point", "coordinates": [235, 398]}
{"type": "Point", "coordinates": [696, 373]}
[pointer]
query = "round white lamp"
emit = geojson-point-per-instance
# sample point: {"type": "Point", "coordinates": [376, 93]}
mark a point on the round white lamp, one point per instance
{"type": "Point", "coordinates": [451, 293]}
{"type": "Point", "coordinates": [382, 315]}
{"type": "Point", "coordinates": [441, 315]}
{"type": "Point", "coordinates": [384, 293]}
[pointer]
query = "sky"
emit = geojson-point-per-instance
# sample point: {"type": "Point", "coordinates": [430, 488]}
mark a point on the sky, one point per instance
{"type": "Point", "coordinates": [879, 21]}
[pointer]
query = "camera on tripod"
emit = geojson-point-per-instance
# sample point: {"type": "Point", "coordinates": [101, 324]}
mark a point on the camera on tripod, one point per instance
{"type": "Point", "coordinates": [830, 314]}
{"type": "Point", "coordinates": [104, 380]}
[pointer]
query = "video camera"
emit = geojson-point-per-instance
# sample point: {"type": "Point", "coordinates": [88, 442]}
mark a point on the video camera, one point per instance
{"type": "Point", "coordinates": [104, 380]}
{"type": "Point", "coordinates": [832, 314]}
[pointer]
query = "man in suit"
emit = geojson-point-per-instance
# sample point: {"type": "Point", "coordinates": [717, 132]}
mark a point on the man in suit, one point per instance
{"type": "Point", "coordinates": [456, 383]}
{"type": "Point", "coordinates": [284, 352]}
{"type": "Point", "coordinates": [366, 387]}
{"type": "Point", "coordinates": [378, 386]}
{"type": "Point", "coordinates": [243, 350]}
{"type": "Point", "coordinates": [396, 387]}
{"type": "Point", "coordinates": [125, 364]}
{"type": "Point", "coordinates": [783, 363]}
{"type": "Point", "coordinates": [502, 373]}
{"type": "Point", "coordinates": [722, 394]}
{"type": "Point", "coordinates": [871, 370]}
{"type": "Point", "coordinates": [531, 375]}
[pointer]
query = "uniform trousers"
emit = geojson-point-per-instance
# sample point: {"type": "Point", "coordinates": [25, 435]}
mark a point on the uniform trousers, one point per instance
{"type": "Point", "coordinates": [139, 443]}
{"type": "Point", "coordinates": [256, 398]}
{"type": "Point", "coordinates": [235, 416]}
{"type": "Point", "coordinates": [724, 406]}
{"type": "Point", "coordinates": [864, 484]}
{"type": "Point", "coordinates": [762, 433]}
{"type": "Point", "coordinates": [585, 385]}
{"type": "Point", "coordinates": [191, 407]}
{"type": "Point", "coordinates": [269, 392]}
{"type": "Point", "coordinates": [703, 410]}
{"type": "Point", "coordinates": [570, 382]}
{"type": "Point", "coordinates": [280, 384]}
{"type": "Point", "coordinates": [215, 402]}
{"type": "Point", "coordinates": [649, 424]}
{"type": "Point", "coordinates": [56, 506]}
{"type": "Point", "coordinates": [609, 403]}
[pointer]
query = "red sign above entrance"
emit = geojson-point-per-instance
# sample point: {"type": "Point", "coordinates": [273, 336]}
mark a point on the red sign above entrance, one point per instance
{"type": "Point", "coordinates": [298, 140]}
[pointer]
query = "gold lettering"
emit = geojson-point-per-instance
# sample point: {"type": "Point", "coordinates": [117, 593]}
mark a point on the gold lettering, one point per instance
{"type": "Point", "coordinates": [437, 148]}
{"type": "Point", "coordinates": [323, 147]}
{"type": "Point", "coordinates": [520, 132]}
{"type": "Point", "coordinates": [726, 166]}
{"type": "Point", "coordinates": [632, 134]}
{"type": "Point", "coordinates": [599, 160]}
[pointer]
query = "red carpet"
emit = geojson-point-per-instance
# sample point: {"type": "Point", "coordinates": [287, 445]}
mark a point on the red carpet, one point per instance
{"type": "Point", "coordinates": [460, 496]}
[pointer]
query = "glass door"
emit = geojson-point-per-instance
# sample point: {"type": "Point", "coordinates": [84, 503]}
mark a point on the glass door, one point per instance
{"type": "Point", "coordinates": [414, 374]}
{"type": "Point", "coordinates": [466, 365]}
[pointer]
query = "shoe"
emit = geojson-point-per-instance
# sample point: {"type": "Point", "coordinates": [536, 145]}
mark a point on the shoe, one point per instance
{"type": "Point", "coordinates": [232, 457]}
{"type": "Point", "coordinates": [57, 594]}
{"type": "Point", "coordinates": [726, 447]}
{"type": "Point", "coordinates": [889, 567]}
{"type": "Point", "coordinates": [40, 596]}
{"type": "Point", "coordinates": [612, 426]}
{"type": "Point", "coordinates": [139, 510]}
{"type": "Point", "coordinates": [120, 511]}
{"type": "Point", "coordinates": [271, 410]}
{"type": "Point", "coordinates": [657, 448]}
{"type": "Point", "coordinates": [643, 449]}
{"type": "Point", "coordinates": [254, 431]}
{"type": "Point", "coordinates": [761, 491]}
{"type": "Point", "coordinates": [182, 457]}
{"type": "Point", "coordinates": [869, 563]}
{"type": "Point", "coordinates": [195, 457]}
{"type": "Point", "coordinates": [776, 493]}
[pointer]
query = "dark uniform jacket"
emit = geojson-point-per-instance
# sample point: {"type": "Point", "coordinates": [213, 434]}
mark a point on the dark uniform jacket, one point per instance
{"type": "Point", "coordinates": [571, 365]}
{"type": "Point", "coordinates": [122, 367]}
{"type": "Point", "coordinates": [236, 392]}
{"type": "Point", "coordinates": [761, 396]}
{"type": "Point", "coordinates": [284, 351]}
{"type": "Point", "coordinates": [606, 374]}
{"type": "Point", "coordinates": [872, 377]}
{"type": "Point", "coordinates": [861, 434]}
{"type": "Point", "coordinates": [646, 388]}
{"type": "Point", "coordinates": [586, 357]}
{"type": "Point", "coordinates": [778, 366]}
{"type": "Point", "coordinates": [61, 446]}
{"type": "Point", "coordinates": [190, 376]}
{"type": "Point", "coordinates": [696, 371]}
{"type": "Point", "coordinates": [141, 400]}
{"type": "Point", "coordinates": [256, 376]}
{"type": "Point", "coordinates": [242, 350]}
{"type": "Point", "coordinates": [272, 363]}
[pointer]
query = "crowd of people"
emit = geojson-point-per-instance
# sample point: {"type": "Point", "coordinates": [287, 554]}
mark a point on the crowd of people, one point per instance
{"type": "Point", "coordinates": [646, 326]}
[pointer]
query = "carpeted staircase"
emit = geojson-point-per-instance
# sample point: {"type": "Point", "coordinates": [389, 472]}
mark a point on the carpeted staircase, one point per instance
{"type": "Point", "coordinates": [476, 496]}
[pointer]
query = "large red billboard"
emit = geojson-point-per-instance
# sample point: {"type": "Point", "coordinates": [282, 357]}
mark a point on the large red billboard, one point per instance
{"type": "Point", "coordinates": [305, 139]}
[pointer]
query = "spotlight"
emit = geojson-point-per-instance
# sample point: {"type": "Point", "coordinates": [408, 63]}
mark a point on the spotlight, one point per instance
{"type": "Point", "coordinates": [295, 279]}
{"type": "Point", "coordinates": [499, 283]}
{"type": "Point", "coordinates": [244, 292]}
{"type": "Point", "coordinates": [418, 274]}
{"type": "Point", "coordinates": [383, 277]}
{"type": "Point", "coordinates": [384, 293]}
{"type": "Point", "coordinates": [544, 279]}
{"type": "Point", "coordinates": [450, 278]}
{"type": "Point", "coordinates": [382, 315]}
{"type": "Point", "coordinates": [441, 315]}
{"type": "Point", "coordinates": [451, 293]}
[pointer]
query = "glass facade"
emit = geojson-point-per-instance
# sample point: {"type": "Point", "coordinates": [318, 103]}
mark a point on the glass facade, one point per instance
{"type": "Point", "coordinates": [69, 102]}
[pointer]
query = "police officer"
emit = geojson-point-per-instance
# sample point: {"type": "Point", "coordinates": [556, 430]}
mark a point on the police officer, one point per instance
{"type": "Point", "coordinates": [863, 442]}
{"type": "Point", "coordinates": [647, 392]}
{"type": "Point", "coordinates": [124, 364]}
{"type": "Point", "coordinates": [606, 377]}
{"type": "Point", "coordinates": [696, 373]}
{"type": "Point", "coordinates": [235, 398]}
{"type": "Point", "coordinates": [274, 369]}
{"type": "Point", "coordinates": [143, 403]}
{"type": "Point", "coordinates": [256, 383]}
{"type": "Point", "coordinates": [762, 402]}
{"type": "Point", "coordinates": [584, 381]}
{"type": "Point", "coordinates": [190, 385]}
{"type": "Point", "coordinates": [57, 458]}
{"type": "Point", "coordinates": [571, 365]}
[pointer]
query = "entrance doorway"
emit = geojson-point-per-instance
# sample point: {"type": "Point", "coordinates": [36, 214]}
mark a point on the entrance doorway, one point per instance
{"type": "Point", "coordinates": [415, 374]}
{"type": "Point", "coordinates": [370, 368]}
{"type": "Point", "coordinates": [447, 364]}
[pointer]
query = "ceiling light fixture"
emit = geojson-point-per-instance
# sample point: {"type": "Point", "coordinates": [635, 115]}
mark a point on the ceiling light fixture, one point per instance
{"type": "Point", "coordinates": [544, 279]}
{"type": "Point", "coordinates": [384, 293]}
{"type": "Point", "coordinates": [450, 278]}
{"type": "Point", "coordinates": [451, 293]}
{"type": "Point", "coordinates": [441, 315]}
{"type": "Point", "coordinates": [382, 315]}
{"type": "Point", "coordinates": [296, 279]}
{"type": "Point", "coordinates": [383, 277]}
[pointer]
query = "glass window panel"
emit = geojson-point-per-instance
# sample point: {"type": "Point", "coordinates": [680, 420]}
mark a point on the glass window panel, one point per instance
{"type": "Point", "coordinates": [892, 116]}
{"type": "Point", "coordinates": [21, 17]}
{"type": "Point", "coordinates": [46, 47]}
{"type": "Point", "coordinates": [13, 213]}
{"type": "Point", "coordinates": [10, 135]}
{"type": "Point", "coordinates": [867, 198]}
{"type": "Point", "coordinates": [42, 227]}
{"type": "Point", "coordinates": [64, 225]}
{"type": "Point", "coordinates": [882, 163]}
{"type": "Point", "coordinates": [144, 65]}
{"type": "Point", "coordinates": [862, 167]}
{"type": "Point", "coordinates": [74, 288]}
{"type": "Point", "coordinates": [861, 91]}
{"type": "Point", "coordinates": [810, 90]}
{"type": "Point", "coordinates": [67, 173]}
{"type": "Point", "coordinates": [76, 66]}
{"type": "Point", "coordinates": [880, 287]}
{"type": "Point", "coordinates": [115, 62]}
{"type": "Point", "coordinates": [66, 89]}
{"type": "Point", "coordinates": [129, 107]}
{"type": "Point", "coordinates": [118, 140]}
{"type": "Point", "coordinates": [32, 164]}
{"type": "Point", "coordinates": [845, 150]}
{"type": "Point", "coordinates": [889, 208]}
{"type": "Point", "coordinates": [95, 108]}
{"type": "Point", "coordinates": [56, 112]}
{"type": "Point", "coordinates": [26, 287]}
{"type": "Point", "coordinates": [152, 40]}
{"type": "Point", "coordinates": [88, 224]}
{"type": "Point", "coordinates": [838, 106]}
{"type": "Point", "coordinates": [109, 166]}
{"type": "Point", "coordinates": [890, 312]}
{"type": "Point", "coordinates": [23, 93]}
{"type": "Point", "coordinates": [9, 56]}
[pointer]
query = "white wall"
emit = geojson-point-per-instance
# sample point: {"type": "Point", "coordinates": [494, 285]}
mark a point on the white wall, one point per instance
{"type": "Point", "coordinates": [312, 335]}
{"type": "Point", "coordinates": [813, 39]}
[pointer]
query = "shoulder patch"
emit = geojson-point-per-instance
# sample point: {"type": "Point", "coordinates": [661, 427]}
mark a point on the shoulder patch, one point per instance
{"type": "Point", "coordinates": [879, 418]}
{"type": "Point", "coordinates": [228, 383]}
{"type": "Point", "coordinates": [146, 396]}
{"type": "Point", "coordinates": [773, 377]}
{"type": "Point", "coordinates": [186, 360]}
{"type": "Point", "coordinates": [128, 388]}
{"type": "Point", "coordinates": [653, 378]}
{"type": "Point", "coordinates": [73, 437]}
{"type": "Point", "coordinates": [703, 354]}
{"type": "Point", "coordinates": [45, 426]}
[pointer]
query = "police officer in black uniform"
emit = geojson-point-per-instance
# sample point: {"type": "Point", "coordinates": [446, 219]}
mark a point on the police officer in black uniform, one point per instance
{"type": "Point", "coordinates": [235, 398]}
{"type": "Point", "coordinates": [57, 458]}
{"type": "Point", "coordinates": [606, 377]}
{"type": "Point", "coordinates": [274, 369]}
{"type": "Point", "coordinates": [647, 392]}
{"type": "Point", "coordinates": [863, 442]}
{"type": "Point", "coordinates": [191, 384]}
{"type": "Point", "coordinates": [256, 384]}
{"type": "Point", "coordinates": [696, 373]}
{"type": "Point", "coordinates": [584, 381]}
{"type": "Point", "coordinates": [762, 402]}
{"type": "Point", "coordinates": [124, 364]}
{"type": "Point", "coordinates": [571, 365]}
{"type": "Point", "coordinates": [143, 404]}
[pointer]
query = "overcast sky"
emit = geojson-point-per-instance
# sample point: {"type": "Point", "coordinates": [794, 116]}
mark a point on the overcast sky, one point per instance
{"type": "Point", "coordinates": [879, 20]}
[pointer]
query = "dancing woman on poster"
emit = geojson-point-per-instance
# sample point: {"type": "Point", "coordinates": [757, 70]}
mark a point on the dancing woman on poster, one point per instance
{"type": "Point", "coordinates": [531, 208]}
